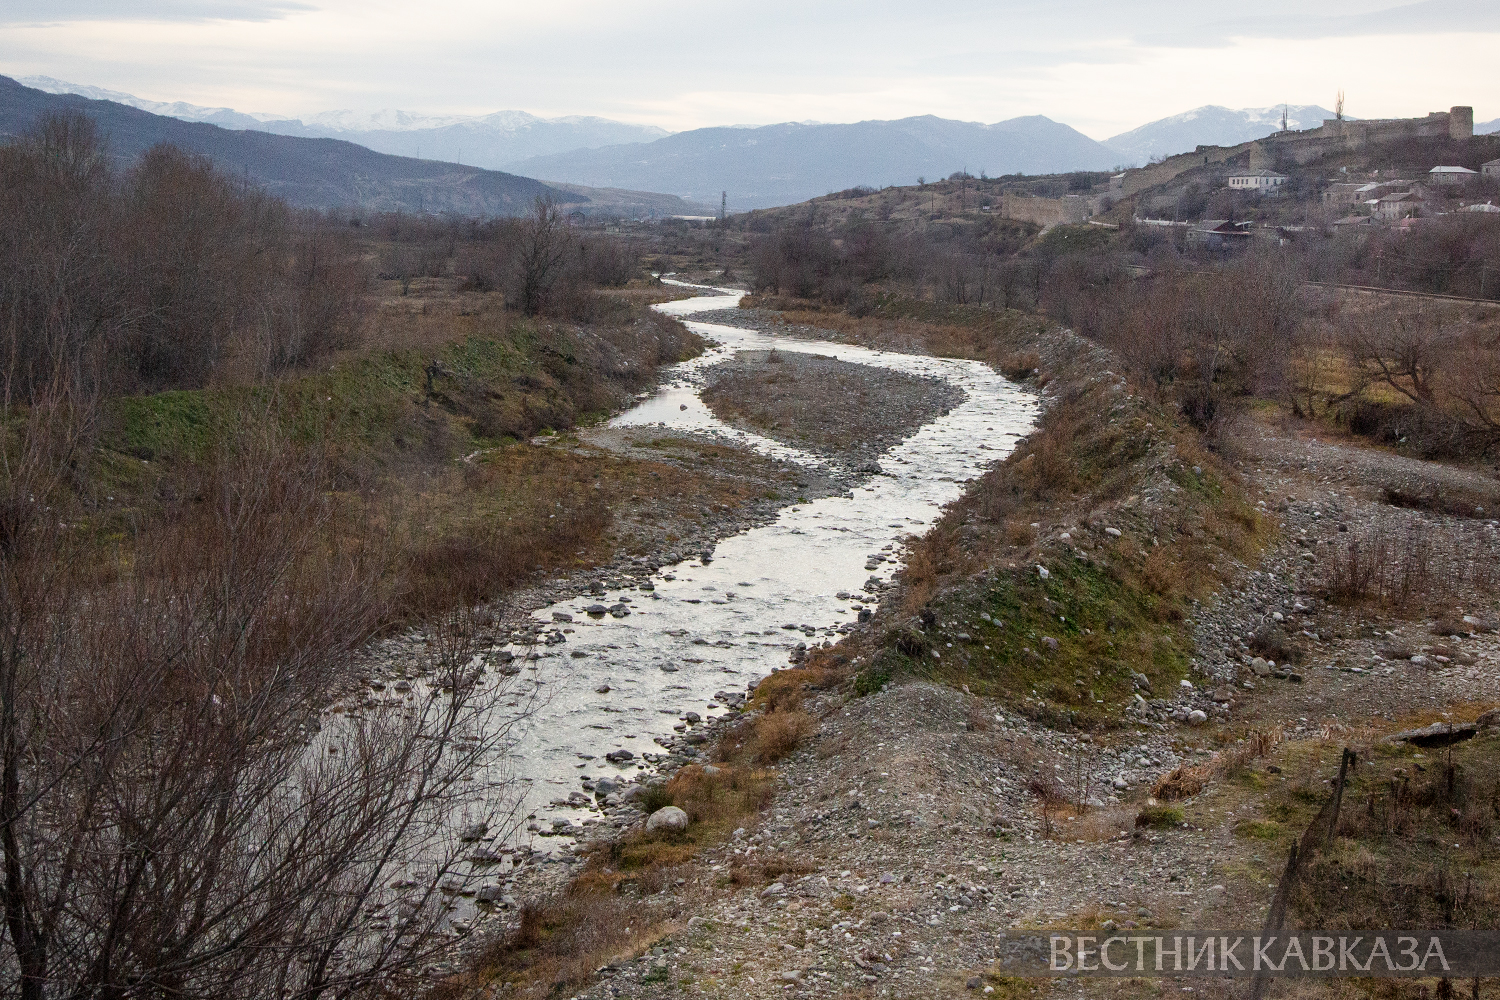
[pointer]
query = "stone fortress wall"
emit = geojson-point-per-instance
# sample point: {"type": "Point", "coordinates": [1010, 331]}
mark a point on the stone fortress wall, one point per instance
{"type": "Point", "coordinates": [1304, 146]}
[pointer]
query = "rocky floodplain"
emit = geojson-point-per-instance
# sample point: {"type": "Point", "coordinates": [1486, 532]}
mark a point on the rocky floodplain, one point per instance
{"type": "Point", "coordinates": [847, 413]}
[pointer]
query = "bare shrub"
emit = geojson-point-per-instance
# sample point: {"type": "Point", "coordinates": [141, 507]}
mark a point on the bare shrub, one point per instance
{"type": "Point", "coordinates": [1424, 374]}
{"type": "Point", "coordinates": [1411, 567]}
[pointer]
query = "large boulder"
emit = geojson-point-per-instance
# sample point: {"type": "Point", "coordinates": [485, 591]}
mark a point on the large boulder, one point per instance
{"type": "Point", "coordinates": [667, 819]}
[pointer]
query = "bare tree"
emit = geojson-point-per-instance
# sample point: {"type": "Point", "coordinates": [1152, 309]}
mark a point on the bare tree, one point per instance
{"type": "Point", "coordinates": [1407, 351]}
{"type": "Point", "coordinates": [180, 814]}
{"type": "Point", "coordinates": [542, 255]}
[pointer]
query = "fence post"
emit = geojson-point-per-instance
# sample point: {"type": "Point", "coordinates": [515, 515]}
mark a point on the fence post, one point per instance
{"type": "Point", "coordinates": [1275, 918]}
{"type": "Point", "coordinates": [1345, 762]}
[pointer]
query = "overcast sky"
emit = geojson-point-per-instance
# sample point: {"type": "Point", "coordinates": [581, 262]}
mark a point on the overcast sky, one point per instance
{"type": "Point", "coordinates": [1102, 67]}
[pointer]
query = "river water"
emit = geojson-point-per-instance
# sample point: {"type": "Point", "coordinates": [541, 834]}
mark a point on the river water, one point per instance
{"type": "Point", "coordinates": [718, 625]}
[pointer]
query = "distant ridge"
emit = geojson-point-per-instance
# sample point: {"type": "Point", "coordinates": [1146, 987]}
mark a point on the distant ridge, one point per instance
{"type": "Point", "coordinates": [791, 162]}
{"type": "Point", "coordinates": [323, 173]}
{"type": "Point", "coordinates": [1210, 125]}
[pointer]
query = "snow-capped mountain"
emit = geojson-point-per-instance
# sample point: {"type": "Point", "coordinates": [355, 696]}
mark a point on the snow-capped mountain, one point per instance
{"type": "Point", "coordinates": [225, 117]}
{"type": "Point", "coordinates": [1211, 125]}
{"type": "Point", "coordinates": [492, 140]}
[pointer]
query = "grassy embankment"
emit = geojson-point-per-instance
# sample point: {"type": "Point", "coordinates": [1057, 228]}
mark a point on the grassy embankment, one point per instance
{"type": "Point", "coordinates": [1065, 647]}
{"type": "Point", "coordinates": [424, 433]}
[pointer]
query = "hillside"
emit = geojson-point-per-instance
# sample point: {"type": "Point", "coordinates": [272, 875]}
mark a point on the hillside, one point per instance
{"type": "Point", "coordinates": [791, 162]}
{"type": "Point", "coordinates": [322, 173]}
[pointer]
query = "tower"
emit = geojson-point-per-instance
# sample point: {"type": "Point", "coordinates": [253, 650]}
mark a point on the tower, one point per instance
{"type": "Point", "coordinates": [723, 204]}
{"type": "Point", "coordinates": [1461, 122]}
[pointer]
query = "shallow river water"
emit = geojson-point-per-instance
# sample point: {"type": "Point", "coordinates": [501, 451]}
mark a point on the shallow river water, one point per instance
{"type": "Point", "coordinates": [718, 625]}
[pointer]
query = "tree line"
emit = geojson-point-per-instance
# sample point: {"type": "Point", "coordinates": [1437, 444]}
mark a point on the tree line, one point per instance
{"type": "Point", "coordinates": [1209, 327]}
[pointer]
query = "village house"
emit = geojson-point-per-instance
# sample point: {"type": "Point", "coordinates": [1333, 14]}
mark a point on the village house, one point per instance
{"type": "Point", "coordinates": [1451, 176]}
{"type": "Point", "coordinates": [1258, 181]}
{"type": "Point", "coordinates": [1491, 169]}
{"type": "Point", "coordinates": [1342, 194]}
{"type": "Point", "coordinates": [1400, 205]}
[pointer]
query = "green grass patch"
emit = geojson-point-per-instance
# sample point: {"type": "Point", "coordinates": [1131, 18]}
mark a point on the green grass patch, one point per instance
{"type": "Point", "coordinates": [1104, 630]}
{"type": "Point", "coordinates": [1259, 829]}
{"type": "Point", "coordinates": [1159, 817]}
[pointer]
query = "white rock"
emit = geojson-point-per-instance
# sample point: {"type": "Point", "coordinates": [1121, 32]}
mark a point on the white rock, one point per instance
{"type": "Point", "coordinates": [1112, 532]}
{"type": "Point", "coordinates": [1197, 717]}
{"type": "Point", "coordinates": [1041, 571]}
{"type": "Point", "coordinates": [669, 819]}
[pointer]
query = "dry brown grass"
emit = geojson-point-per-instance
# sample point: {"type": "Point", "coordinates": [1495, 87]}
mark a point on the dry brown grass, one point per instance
{"type": "Point", "coordinates": [784, 690]}
{"type": "Point", "coordinates": [1413, 844]}
{"type": "Point", "coordinates": [767, 738]}
{"type": "Point", "coordinates": [1188, 780]}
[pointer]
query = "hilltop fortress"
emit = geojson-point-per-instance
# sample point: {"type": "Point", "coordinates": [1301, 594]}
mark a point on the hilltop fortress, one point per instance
{"type": "Point", "coordinates": [1301, 147]}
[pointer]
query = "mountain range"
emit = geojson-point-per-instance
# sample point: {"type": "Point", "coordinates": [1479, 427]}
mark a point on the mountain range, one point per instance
{"type": "Point", "coordinates": [790, 162]}
{"type": "Point", "coordinates": [324, 173]}
{"type": "Point", "coordinates": [579, 157]}
{"type": "Point", "coordinates": [495, 141]}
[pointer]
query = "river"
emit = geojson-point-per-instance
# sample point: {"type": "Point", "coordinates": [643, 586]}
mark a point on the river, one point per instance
{"type": "Point", "coordinates": [710, 626]}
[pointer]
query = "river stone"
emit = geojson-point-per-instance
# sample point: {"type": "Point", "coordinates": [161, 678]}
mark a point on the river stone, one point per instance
{"type": "Point", "coordinates": [596, 611]}
{"type": "Point", "coordinates": [619, 755]}
{"type": "Point", "coordinates": [668, 819]}
{"type": "Point", "coordinates": [474, 832]}
{"type": "Point", "coordinates": [490, 893]}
